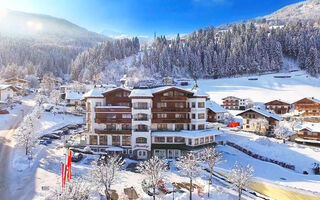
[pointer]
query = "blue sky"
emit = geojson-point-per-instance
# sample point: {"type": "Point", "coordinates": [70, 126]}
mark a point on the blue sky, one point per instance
{"type": "Point", "coordinates": [144, 17]}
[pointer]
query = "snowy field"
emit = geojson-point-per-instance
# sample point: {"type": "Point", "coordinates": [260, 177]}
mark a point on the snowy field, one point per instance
{"type": "Point", "coordinates": [265, 89]}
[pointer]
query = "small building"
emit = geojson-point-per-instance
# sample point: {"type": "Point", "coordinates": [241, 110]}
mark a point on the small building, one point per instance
{"type": "Point", "coordinates": [17, 82]}
{"type": "Point", "coordinates": [6, 92]}
{"type": "Point", "coordinates": [278, 107]}
{"type": "Point", "coordinates": [307, 106]}
{"type": "Point", "coordinates": [167, 81]}
{"type": "Point", "coordinates": [215, 112]}
{"type": "Point", "coordinates": [235, 103]}
{"type": "Point", "coordinates": [308, 131]}
{"type": "Point", "coordinates": [259, 121]}
{"type": "Point", "coordinates": [74, 98]}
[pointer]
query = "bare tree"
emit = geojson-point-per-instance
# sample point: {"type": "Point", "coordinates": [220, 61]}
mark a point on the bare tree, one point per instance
{"type": "Point", "coordinates": [240, 176]}
{"type": "Point", "coordinates": [189, 166]}
{"type": "Point", "coordinates": [40, 99]}
{"type": "Point", "coordinates": [104, 172]}
{"type": "Point", "coordinates": [25, 135]}
{"type": "Point", "coordinates": [76, 189]}
{"type": "Point", "coordinates": [55, 97]}
{"type": "Point", "coordinates": [211, 158]}
{"type": "Point", "coordinates": [153, 169]}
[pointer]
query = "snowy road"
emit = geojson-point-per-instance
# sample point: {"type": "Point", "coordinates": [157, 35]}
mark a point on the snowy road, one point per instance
{"type": "Point", "coordinates": [7, 149]}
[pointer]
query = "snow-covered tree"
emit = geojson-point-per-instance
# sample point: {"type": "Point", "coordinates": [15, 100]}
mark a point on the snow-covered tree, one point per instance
{"type": "Point", "coordinates": [240, 177]}
{"type": "Point", "coordinates": [282, 131]}
{"type": "Point", "coordinates": [189, 166]}
{"type": "Point", "coordinates": [260, 125]}
{"type": "Point", "coordinates": [76, 189]}
{"type": "Point", "coordinates": [55, 97]}
{"type": "Point", "coordinates": [104, 173]}
{"type": "Point", "coordinates": [25, 134]}
{"type": "Point", "coordinates": [153, 169]}
{"type": "Point", "coordinates": [211, 158]}
{"type": "Point", "coordinates": [48, 83]}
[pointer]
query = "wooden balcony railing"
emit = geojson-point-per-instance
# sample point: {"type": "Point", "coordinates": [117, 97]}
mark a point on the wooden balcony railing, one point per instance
{"type": "Point", "coordinates": [170, 120]}
{"type": "Point", "coordinates": [106, 131]}
{"type": "Point", "coordinates": [171, 109]}
{"type": "Point", "coordinates": [117, 120]}
{"type": "Point", "coordinates": [179, 98]}
{"type": "Point", "coordinates": [112, 109]}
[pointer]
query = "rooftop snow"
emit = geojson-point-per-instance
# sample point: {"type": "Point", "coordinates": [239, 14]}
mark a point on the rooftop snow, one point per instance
{"type": "Point", "coordinates": [315, 100]}
{"type": "Point", "coordinates": [214, 107]}
{"type": "Point", "coordinates": [95, 92]}
{"type": "Point", "coordinates": [2, 87]}
{"type": "Point", "coordinates": [313, 127]}
{"type": "Point", "coordinates": [264, 113]}
{"type": "Point", "coordinates": [74, 95]}
{"type": "Point", "coordinates": [188, 134]}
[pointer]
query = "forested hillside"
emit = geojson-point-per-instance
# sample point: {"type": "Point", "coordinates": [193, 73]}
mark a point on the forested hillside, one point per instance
{"type": "Point", "coordinates": [243, 49]}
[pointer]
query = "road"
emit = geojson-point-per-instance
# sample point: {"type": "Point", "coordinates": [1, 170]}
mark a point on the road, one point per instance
{"type": "Point", "coordinates": [7, 179]}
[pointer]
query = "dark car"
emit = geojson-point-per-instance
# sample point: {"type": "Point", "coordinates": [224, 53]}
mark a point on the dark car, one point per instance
{"type": "Point", "coordinates": [72, 126]}
{"type": "Point", "coordinates": [45, 142]}
{"type": "Point", "coordinates": [132, 167]}
{"type": "Point", "coordinates": [76, 157]}
{"type": "Point", "coordinates": [50, 136]}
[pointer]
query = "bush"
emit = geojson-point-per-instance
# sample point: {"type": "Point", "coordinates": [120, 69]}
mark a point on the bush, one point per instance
{"type": "Point", "coordinates": [316, 168]}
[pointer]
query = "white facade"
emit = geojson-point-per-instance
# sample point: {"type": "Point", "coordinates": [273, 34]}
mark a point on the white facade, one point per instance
{"type": "Point", "coordinates": [198, 113]}
{"type": "Point", "coordinates": [6, 92]}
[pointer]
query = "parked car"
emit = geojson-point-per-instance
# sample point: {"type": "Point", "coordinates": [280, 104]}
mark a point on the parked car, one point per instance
{"type": "Point", "coordinates": [45, 142]}
{"type": "Point", "coordinates": [76, 157]}
{"type": "Point", "coordinates": [59, 132]}
{"type": "Point", "coordinates": [65, 130]}
{"type": "Point", "coordinates": [48, 107]}
{"type": "Point", "coordinates": [72, 126]}
{"type": "Point", "coordinates": [50, 136]}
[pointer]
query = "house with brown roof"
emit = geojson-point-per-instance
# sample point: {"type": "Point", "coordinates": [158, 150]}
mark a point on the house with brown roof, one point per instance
{"type": "Point", "coordinates": [307, 106]}
{"type": "Point", "coordinates": [278, 107]}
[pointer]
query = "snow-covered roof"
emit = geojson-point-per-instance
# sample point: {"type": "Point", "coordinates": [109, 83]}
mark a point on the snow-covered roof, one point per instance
{"type": "Point", "coordinates": [188, 134]}
{"type": "Point", "coordinates": [74, 95]}
{"type": "Point", "coordinates": [3, 87]}
{"type": "Point", "coordinates": [314, 99]}
{"type": "Point", "coordinates": [148, 92]}
{"type": "Point", "coordinates": [264, 113]}
{"type": "Point", "coordinates": [114, 148]}
{"type": "Point", "coordinates": [214, 107]}
{"type": "Point", "coordinates": [95, 92]}
{"type": "Point", "coordinates": [313, 127]}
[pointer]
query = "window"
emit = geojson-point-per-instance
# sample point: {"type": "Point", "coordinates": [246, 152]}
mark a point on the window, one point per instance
{"type": "Point", "coordinates": [200, 104]}
{"type": "Point", "coordinates": [190, 141]}
{"type": "Point", "coordinates": [180, 116]}
{"type": "Point", "coordinates": [169, 139]}
{"type": "Point", "coordinates": [193, 127]}
{"type": "Point", "coordinates": [201, 116]}
{"type": "Point", "coordinates": [161, 105]}
{"type": "Point", "coordinates": [123, 104]}
{"type": "Point", "coordinates": [142, 127]}
{"type": "Point", "coordinates": [126, 141]}
{"type": "Point", "coordinates": [253, 116]}
{"type": "Point", "coordinates": [111, 116]}
{"type": "Point", "coordinates": [201, 140]}
{"type": "Point", "coordinates": [162, 127]}
{"type": "Point", "coordinates": [103, 140]}
{"type": "Point", "coordinates": [247, 126]}
{"type": "Point", "coordinates": [93, 139]}
{"type": "Point", "coordinates": [193, 104]}
{"type": "Point", "coordinates": [196, 141]}
{"type": "Point", "coordinates": [179, 127]}
{"type": "Point", "coordinates": [126, 127]}
{"type": "Point", "coordinates": [141, 140]}
{"type": "Point", "coordinates": [126, 116]}
{"type": "Point", "coordinates": [162, 115]}
{"type": "Point", "coordinates": [168, 94]}
{"type": "Point", "coordinates": [141, 117]}
{"type": "Point", "coordinates": [305, 133]}
{"type": "Point", "coordinates": [98, 103]}
{"type": "Point", "coordinates": [201, 126]}
{"type": "Point", "coordinates": [193, 116]}
{"type": "Point", "coordinates": [126, 94]}
{"type": "Point", "coordinates": [116, 140]}
{"type": "Point", "coordinates": [211, 138]}
{"type": "Point", "coordinates": [111, 127]}
{"type": "Point", "coordinates": [159, 139]}
{"type": "Point", "coordinates": [119, 94]}
{"type": "Point", "coordinates": [207, 140]}
{"type": "Point", "coordinates": [179, 140]}
{"type": "Point", "coordinates": [179, 105]}
{"type": "Point", "coordinates": [141, 105]}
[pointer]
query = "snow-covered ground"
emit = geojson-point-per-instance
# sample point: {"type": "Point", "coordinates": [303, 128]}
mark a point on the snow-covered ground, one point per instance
{"type": "Point", "coordinates": [299, 155]}
{"type": "Point", "coordinates": [265, 89]}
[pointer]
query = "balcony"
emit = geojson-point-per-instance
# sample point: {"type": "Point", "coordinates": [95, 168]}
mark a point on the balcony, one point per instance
{"type": "Point", "coordinates": [171, 120]}
{"type": "Point", "coordinates": [116, 120]}
{"type": "Point", "coordinates": [112, 109]}
{"type": "Point", "coordinates": [109, 131]}
{"type": "Point", "coordinates": [141, 108]}
{"type": "Point", "coordinates": [141, 119]}
{"type": "Point", "coordinates": [171, 109]}
{"type": "Point", "coordinates": [141, 130]}
{"type": "Point", "coordinates": [177, 98]}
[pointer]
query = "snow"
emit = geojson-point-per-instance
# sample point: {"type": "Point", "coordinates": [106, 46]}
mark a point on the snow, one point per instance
{"type": "Point", "coordinates": [2, 87]}
{"type": "Point", "coordinates": [114, 148]}
{"type": "Point", "coordinates": [314, 99]}
{"type": "Point", "coordinates": [73, 95]}
{"type": "Point", "coordinates": [313, 127]}
{"type": "Point", "coordinates": [266, 88]}
{"type": "Point", "coordinates": [95, 92]}
{"type": "Point", "coordinates": [264, 113]}
{"type": "Point", "coordinates": [214, 107]}
{"type": "Point", "coordinates": [188, 134]}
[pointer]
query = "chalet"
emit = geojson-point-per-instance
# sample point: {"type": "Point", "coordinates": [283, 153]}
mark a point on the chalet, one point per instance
{"type": "Point", "coordinates": [7, 92]}
{"type": "Point", "coordinates": [73, 98]}
{"type": "Point", "coordinates": [235, 103]}
{"type": "Point", "coordinates": [308, 131]}
{"type": "Point", "coordinates": [19, 84]}
{"type": "Point", "coordinates": [215, 112]}
{"type": "Point", "coordinates": [259, 120]}
{"type": "Point", "coordinates": [307, 106]}
{"type": "Point", "coordinates": [163, 121]}
{"type": "Point", "coordinates": [278, 107]}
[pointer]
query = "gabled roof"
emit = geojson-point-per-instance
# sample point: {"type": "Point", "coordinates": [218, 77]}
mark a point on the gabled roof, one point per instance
{"type": "Point", "coordinates": [313, 127]}
{"type": "Point", "coordinates": [16, 79]}
{"type": "Point", "coordinates": [95, 93]}
{"type": "Point", "coordinates": [233, 97]}
{"type": "Point", "coordinates": [3, 87]}
{"type": "Point", "coordinates": [114, 89]}
{"type": "Point", "coordinates": [214, 107]}
{"type": "Point", "coordinates": [274, 102]}
{"type": "Point", "coordinates": [310, 99]}
{"type": "Point", "coordinates": [74, 95]}
{"type": "Point", "coordinates": [263, 112]}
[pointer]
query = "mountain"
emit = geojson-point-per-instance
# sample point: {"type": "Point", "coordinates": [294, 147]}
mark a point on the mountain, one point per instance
{"type": "Point", "coordinates": [16, 24]}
